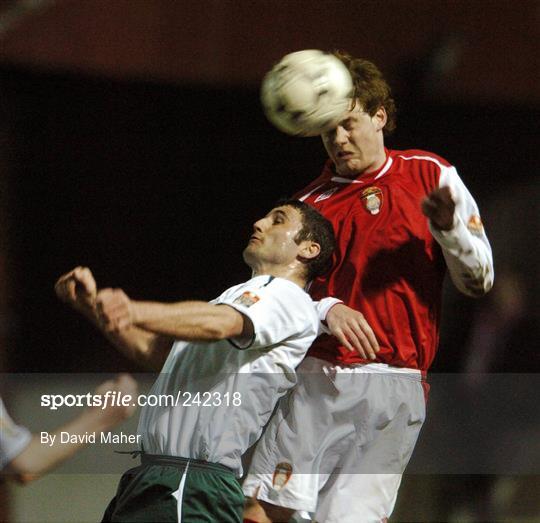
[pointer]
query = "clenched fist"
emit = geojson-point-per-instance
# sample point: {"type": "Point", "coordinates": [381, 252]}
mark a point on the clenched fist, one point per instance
{"type": "Point", "coordinates": [77, 288]}
{"type": "Point", "coordinates": [114, 309]}
{"type": "Point", "coordinates": [439, 207]}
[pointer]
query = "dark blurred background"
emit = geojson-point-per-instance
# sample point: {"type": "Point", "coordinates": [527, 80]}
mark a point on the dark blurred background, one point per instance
{"type": "Point", "coordinates": [132, 141]}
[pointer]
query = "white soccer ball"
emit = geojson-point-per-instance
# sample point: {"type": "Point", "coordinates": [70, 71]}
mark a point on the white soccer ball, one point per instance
{"type": "Point", "coordinates": [307, 93]}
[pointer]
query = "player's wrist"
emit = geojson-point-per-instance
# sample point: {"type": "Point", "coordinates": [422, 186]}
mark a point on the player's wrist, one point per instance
{"type": "Point", "coordinates": [324, 306]}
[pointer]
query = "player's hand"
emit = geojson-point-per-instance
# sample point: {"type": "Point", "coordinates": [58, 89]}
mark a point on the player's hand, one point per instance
{"type": "Point", "coordinates": [254, 511]}
{"type": "Point", "coordinates": [113, 413]}
{"type": "Point", "coordinates": [439, 207]}
{"type": "Point", "coordinates": [352, 330]}
{"type": "Point", "coordinates": [114, 310]}
{"type": "Point", "coordinates": [77, 288]}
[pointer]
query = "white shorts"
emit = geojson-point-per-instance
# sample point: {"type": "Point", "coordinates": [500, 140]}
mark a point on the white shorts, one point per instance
{"type": "Point", "coordinates": [340, 441]}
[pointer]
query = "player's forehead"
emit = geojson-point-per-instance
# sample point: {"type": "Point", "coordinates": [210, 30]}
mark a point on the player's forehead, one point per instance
{"type": "Point", "coordinates": [353, 117]}
{"type": "Point", "coordinates": [288, 212]}
{"type": "Point", "coordinates": [355, 110]}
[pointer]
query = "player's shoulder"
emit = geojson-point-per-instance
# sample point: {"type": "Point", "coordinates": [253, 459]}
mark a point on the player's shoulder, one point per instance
{"type": "Point", "coordinates": [293, 297]}
{"type": "Point", "coordinates": [290, 290]}
{"type": "Point", "coordinates": [268, 287]}
{"type": "Point", "coordinates": [420, 157]}
{"type": "Point", "coordinates": [321, 180]}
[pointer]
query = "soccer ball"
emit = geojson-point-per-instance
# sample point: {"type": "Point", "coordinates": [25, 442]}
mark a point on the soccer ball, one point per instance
{"type": "Point", "coordinates": [306, 93]}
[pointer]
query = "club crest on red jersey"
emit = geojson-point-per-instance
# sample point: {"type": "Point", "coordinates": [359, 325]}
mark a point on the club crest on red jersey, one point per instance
{"type": "Point", "coordinates": [247, 299]}
{"type": "Point", "coordinates": [373, 199]}
{"type": "Point", "coordinates": [282, 475]}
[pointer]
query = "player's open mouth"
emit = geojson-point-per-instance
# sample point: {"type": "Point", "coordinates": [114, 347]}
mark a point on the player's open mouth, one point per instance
{"type": "Point", "coordinates": [344, 155]}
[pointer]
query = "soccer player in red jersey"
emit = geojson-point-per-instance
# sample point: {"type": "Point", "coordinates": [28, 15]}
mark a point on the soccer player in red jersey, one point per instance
{"type": "Point", "coordinates": [338, 446]}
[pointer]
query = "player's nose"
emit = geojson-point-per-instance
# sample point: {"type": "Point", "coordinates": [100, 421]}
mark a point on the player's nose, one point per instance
{"type": "Point", "coordinates": [258, 226]}
{"type": "Point", "coordinates": [340, 135]}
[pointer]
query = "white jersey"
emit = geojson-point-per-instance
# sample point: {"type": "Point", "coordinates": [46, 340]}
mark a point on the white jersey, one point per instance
{"type": "Point", "coordinates": [13, 438]}
{"type": "Point", "coordinates": [225, 391]}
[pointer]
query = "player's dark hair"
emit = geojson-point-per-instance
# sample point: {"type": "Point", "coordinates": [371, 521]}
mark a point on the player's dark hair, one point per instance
{"type": "Point", "coordinates": [370, 88]}
{"type": "Point", "coordinates": [316, 228]}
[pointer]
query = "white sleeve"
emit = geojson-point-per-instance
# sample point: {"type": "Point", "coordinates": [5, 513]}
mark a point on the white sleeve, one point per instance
{"type": "Point", "coordinates": [13, 438]}
{"type": "Point", "coordinates": [322, 308]}
{"type": "Point", "coordinates": [465, 247]}
{"type": "Point", "coordinates": [278, 311]}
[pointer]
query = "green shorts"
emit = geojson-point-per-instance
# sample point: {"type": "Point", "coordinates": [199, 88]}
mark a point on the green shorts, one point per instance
{"type": "Point", "coordinates": [166, 488]}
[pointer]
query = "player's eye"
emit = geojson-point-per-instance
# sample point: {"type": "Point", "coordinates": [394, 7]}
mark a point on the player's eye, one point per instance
{"type": "Point", "coordinates": [278, 218]}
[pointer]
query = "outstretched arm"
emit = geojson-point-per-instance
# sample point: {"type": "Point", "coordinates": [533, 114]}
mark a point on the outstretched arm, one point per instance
{"type": "Point", "coordinates": [37, 458]}
{"type": "Point", "coordinates": [187, 320]}
{"type": "Point", "coordinates": [78, 289]}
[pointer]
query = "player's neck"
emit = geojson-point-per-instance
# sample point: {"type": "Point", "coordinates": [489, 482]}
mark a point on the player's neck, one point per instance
{"type": "Point", "coordinates": [286, 272]}
{"type": "Point", "coordinates": [378, 161]}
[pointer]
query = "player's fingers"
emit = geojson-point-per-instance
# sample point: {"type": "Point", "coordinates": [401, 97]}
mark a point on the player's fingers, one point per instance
{"type": "Point", "coordinates": [110, 325]}
{"type": "Point", "coordinates": [103, 297]}
{"type": "Point", "coordinates": [124, 322]}
{"type": "Point", "coordinates": [115, 316]}
{"type": "Point", "coordinates": [113, 296]}
{"type": "Point", "coordinates": [339, 334]}
{"type": "Point", "coordinates": [85, 281]}
{"type": "Point", "coordinates": [65, 285]}
{"type": "Point", "coordinates": [370, 335]}
{"type": "Point", "coordinates": [111, 318]}
{"type": "Point", "coordinates": [71, 289]}
{"type": "Point", "coordinates": [115, 312]}
{"type": "Point", "coordinates": [112, 303]}
{"type": "Point", "coordinates": [63, 278]}
{"type": "Point", "coordinates": [106, 311]}
{"type": "Point", "coordinates": [353, 343]}
{"type": "Point", "coordinates": [61, 290]}
{"type": "Point", "coordinates": [360, 343]}
{"type": "Point", "coordinates": [76, 273]}
{"type": "Point", "coordinates": [66, 290]}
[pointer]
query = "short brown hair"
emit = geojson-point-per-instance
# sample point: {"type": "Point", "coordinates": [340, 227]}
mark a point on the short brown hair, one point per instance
{"type": "Point", "coordinates": [370, 88]}
{"type": "Point", "coordinates": [317, 228]}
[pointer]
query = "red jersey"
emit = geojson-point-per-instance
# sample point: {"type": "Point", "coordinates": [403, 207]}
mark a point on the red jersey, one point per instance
{"type": "Point", "coordinates": [387, 264]}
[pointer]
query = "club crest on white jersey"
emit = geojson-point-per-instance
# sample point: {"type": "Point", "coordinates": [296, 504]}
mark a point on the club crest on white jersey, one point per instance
{"type": "Point", "coordinates": [247, 299]}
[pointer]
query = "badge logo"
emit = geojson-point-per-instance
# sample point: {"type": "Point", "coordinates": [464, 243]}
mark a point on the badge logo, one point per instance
{"type": "Point", "coordinates": [247, 299]}
{"type": "Point", "coordinates": [475, 224]}
{"type": "Point", "coordinates": [373, 199]}
{"type": "Point", "coordinates": [282, 475]}
{"type": "Point", "coordinates": [325, 195]}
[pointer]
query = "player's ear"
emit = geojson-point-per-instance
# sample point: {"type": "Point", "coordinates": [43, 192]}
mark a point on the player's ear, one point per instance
{"type": "Point", "coordinates": [380, 118]}
{"type": "Point", "coordinates": [309, 250]}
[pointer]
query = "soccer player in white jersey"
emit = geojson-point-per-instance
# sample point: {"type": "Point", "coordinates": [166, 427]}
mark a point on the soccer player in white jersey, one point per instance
{"type": "Point", "coordinates": [402, 218]}
{"type": "Point", "coordinates": [25, 458]}
{"type": "Point", "coordinates": [226, 363]}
